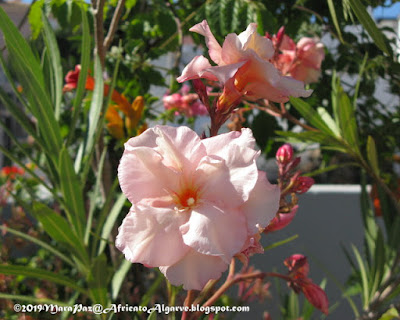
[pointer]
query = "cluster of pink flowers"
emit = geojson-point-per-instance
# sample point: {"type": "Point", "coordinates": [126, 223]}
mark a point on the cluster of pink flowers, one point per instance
{"type": "Point", "coordinates": [244, 67]}
{"type": "Point", "coordinates": [302, 61]}
{"type": "Point", "coordinates": [185, 103]}
{"type": "Point", "coordinates": [195, 203]}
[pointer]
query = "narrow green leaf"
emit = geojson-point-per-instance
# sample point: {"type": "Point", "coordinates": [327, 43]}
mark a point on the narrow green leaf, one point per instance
{"type": "Point", "coordinates": [329, 168]}
{"type": "Point", "coordinates": [280, 243]}
{"type": "Point", "coordinates": [85, 60]}
{"type": "Point", "coordinates": [36, 273]}
{"type": "Point", "coordinates": [98, 281]}
{"type": "Point", "coordinates": [360, 73]}
{"type": "Point", "coordinates": [378, 265]}
{"type": "Point", "coordinates": [95, 195]}
{"type": "Point", "coordinates": [32, 299]}
{"type": "Point", "coordinates": [119, 277]}
{"type": "Point", "coordinates": [152, 315]}
{"type": "Point", "coordinates": [40, 243]}
{"type": "Point", "coordinates": [326, 117]}
{"type": "Point", "coordinates": [55, 60]}
{"type": "Point", "coordinates": [347, 121]}
{"type": "Point", "coordinates": [310, 115]}
{"type": "Point", "coordinates": [96, 105]}
{"type": "Point", "coordinates": [59, 230]}
{"type": "Point", "coordinates": [363, 276]}
{"type": "Point", "coordinates": [335, 20]}
{"type": "Point", "coordinates": [31, 78]}
{"type": "Point", "coordinates": [18, 161]}
{"type": "Point", "coordinates": [152, 290]}
{"type": "Point", "coordinates": [110, 221]}
{"type": "Point", "coordinates": [368, 216]}
{"type": "Point", "coordinates": [369, 24]}
{"type": "Point", "coordinates": [372, 155]}
{"type": "Point", "coordinates": [72, 192]}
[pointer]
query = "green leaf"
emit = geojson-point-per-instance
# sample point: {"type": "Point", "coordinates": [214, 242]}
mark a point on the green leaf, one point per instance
{"type": "Point", "coordinates": [30, 75]}
{"type": "Point", "coordinates": [152, 315]}
{"type": "Point", "coordinates": [347, 121]}
{"type": "Point", "coordinates": [59, 230]}
{"type": "Point", "coordinates": [98, 281]}
{"type": "Point", "coordinates": [119, 277]}
{"type": "Point", "coordinates": [280, 243]}
{"type": "Point", "coordinates": [311, 115]}
{"type": "Point", "coordinates": [372, 155]}
{"type": "Point", "coordinates": [360, 73]}
{"type": "Point", "coordinates": [35, 18]}
{"type": "Point", "coordinates": [335, 20]}
{"type": "Point", "coordinates": [72, 192]}
{"type": "Point", "coordinates": [85, 60]}
{"type": "Point", "coordinates": [326, 117]}
{"type": "Point", "coordinates": [110, 222]}
{"type": "Point", "coordinates": [34, 300]}
{"type": "Point", "coordinates": [55, 60]}
{"type": "Point", "coordinates": [369, 24]}
{"type": "Point", "coordinates": [363, 276]}
{"type": "Point", "coordinates": [378, 267]}
{"type": "Point", "coordinates": [36, 273]}
{"type": "Point", "coordinates": [368, 216]}
{"type": "Point", "coordinates": [392, 313]}
{"type": "Point", "coordinates": [40, 243]}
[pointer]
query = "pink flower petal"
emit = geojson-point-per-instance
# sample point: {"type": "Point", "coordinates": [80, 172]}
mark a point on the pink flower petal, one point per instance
{"type": "Point", "coordinates": [235, 149]}
{"type": "Point", "coordinates": [224, 73]}
{"type": "Point", "coordinates": [214, 177]}
{"type": "Point", "coordinates": [232, 50]}
{"type": "Point", "coordinates": [214, 231]}
{"type": "Point", "coordinates": [151, 236]}
{"type": "Point", "coordinates": [262, 205]}
{"type": "Point", "coordinates": [143, 176]}
{"type": "Point", "coordinates": [197, 69]}
{"type": "Point", "coordinates": [262, 46]}
{"type": "Point", "coordinates": [194, 270]}
{"type": "Point", "coordinates": [214, 49]}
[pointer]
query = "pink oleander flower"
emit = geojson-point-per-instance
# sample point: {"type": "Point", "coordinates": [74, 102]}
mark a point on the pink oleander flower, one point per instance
{"type": "Point", "coordinates": [243, 67]}
{"type": "Point", "coordinates": [303, 60]}
{"type": "Point", "coordinates": [195, 202]}
{"type": "Point", "coordinates": [185, 103]}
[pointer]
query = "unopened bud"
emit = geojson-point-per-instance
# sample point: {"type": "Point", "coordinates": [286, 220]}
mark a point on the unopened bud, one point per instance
{"type": "Point", "coordinates": [303, 184]}
{"type": "Point", "coordinates": [280, 34]}
{"type": "Point", "coordinates": [284, 154]}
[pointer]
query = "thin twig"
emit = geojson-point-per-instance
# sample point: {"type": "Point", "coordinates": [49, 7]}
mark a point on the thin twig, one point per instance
{"type": "Point", "coordinates": [114, 24]}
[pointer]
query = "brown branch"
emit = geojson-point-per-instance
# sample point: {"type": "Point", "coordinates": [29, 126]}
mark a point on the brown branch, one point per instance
{"type": "Point", "coordinates": [114, 24]}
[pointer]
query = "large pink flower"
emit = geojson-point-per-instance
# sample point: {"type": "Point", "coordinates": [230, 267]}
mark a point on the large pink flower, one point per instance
{"type": "Point", "coordinates": [194, 202]}
{"type": "Point", "coordinates": [243, 67]}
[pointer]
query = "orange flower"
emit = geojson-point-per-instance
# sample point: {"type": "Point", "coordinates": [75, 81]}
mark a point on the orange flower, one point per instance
{"type": "Point", "coordinates": [115, 124]}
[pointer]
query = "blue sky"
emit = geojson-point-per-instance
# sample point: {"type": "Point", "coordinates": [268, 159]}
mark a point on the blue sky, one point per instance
{"type": "Point", "coordinates": [391, 12]}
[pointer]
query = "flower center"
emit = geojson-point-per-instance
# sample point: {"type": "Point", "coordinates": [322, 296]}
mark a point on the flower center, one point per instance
{"type": "Point", "coordinates": [186, 199]}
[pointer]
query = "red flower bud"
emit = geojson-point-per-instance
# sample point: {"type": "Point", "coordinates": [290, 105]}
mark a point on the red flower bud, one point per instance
{"type": "Point", "coordinates": [281, 220]}
{"type": "Point", "coordinates": [284, 154]}
{"type": "Point", "coordinates": [316, 296]}
{"type": "Point", "coordinates": [303, 184]}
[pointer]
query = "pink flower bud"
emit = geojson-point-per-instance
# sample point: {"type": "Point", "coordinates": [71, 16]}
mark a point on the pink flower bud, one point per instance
{"type": "Point", "coordinates": [281, 220]}
{"type": "Point", "coordinates": [303, 184]}
{"type": "Point", "coordinates": [297, 265]}
{"type": "Point", "coordinates": [316, 296]}
{"type": "Point", "coordinates": [284, 154]}
{"type": "Point", "coordinates": [280, 34]}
